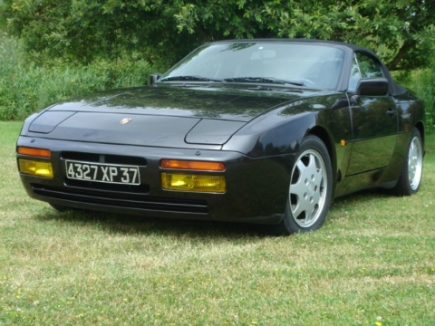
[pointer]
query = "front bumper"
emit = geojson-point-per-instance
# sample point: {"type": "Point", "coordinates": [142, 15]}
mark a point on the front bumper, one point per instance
{"type": "Point", "coordinates": [256, 188]}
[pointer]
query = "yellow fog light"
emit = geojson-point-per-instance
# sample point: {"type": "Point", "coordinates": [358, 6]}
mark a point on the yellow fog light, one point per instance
{"type": "Point", "coordinates": [193, 182]}
{"type": "Point", "coordinates": [36, 168]}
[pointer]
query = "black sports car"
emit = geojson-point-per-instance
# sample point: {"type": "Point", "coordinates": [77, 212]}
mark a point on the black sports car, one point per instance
{"type": "Point", "coordinates": [260, 131]}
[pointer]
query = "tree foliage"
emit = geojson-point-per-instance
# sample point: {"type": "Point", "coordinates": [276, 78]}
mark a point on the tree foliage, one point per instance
{"type": "Point", "coordinates": [401, 31]}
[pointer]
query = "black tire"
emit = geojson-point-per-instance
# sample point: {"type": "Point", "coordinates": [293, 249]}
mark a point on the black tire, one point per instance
{"type": "Point", "coordinates": [310, 189]}
{"type": "Point", "coordinates": [412, 169]}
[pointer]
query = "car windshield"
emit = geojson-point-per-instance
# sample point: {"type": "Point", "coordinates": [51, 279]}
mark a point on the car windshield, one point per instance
{"type": "Point", "coordinates": [297, 64]}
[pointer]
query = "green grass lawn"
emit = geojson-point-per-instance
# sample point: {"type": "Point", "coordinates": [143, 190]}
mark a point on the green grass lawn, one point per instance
{"type": "Point", "coordinates": [373, 263]}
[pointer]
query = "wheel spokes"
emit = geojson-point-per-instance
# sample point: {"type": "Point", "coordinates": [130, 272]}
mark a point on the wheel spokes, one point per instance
{"type": "Point", "coordinates": [415, 162]}
{"type": "Point", "coordinates": [307, 194]}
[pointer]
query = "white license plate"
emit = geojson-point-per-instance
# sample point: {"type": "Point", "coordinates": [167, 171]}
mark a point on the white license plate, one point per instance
{"type": "Point", "coordinates": [101, 172]}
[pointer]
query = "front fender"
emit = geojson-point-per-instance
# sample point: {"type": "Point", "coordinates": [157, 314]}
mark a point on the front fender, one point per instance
{"type": "Point", "coordinates": [272, 135]}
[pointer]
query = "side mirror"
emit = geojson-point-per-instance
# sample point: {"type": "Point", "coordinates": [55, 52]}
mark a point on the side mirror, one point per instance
{"type": "Point", "coordinates": [154, 78]}
{"type": "Point", "coordinates": [372, 87]}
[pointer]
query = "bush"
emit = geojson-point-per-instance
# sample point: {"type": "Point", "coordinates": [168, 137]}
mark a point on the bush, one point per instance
{"type": "Point", "coordinates": [422, 82]}
{"type": "Point", "coordinates": [424, 86]}
{"type": "Point", "coordinates": [26, 87]}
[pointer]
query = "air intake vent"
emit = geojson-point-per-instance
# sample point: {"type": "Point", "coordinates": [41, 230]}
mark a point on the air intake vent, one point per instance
{"type": "Point", "coordinates": [110, 159]}
{"type": "Point", "coordinates": [128, 198]}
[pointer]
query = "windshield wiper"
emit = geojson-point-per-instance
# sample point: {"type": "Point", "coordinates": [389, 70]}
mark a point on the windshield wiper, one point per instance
{"type": "Point", "coordinates": [270, 80]}
{"type": "Point", "coordinates": [188, 78]}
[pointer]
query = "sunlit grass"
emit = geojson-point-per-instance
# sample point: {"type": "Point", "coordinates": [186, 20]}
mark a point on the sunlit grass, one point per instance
{"type": "Point", "coordinates": [373, 263]}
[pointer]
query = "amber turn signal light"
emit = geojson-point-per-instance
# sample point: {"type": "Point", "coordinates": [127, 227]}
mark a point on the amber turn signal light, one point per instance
{"type": "Point", "coordinates": [192, 165]}
{"type": "Point", "coordinates": [30, 151]}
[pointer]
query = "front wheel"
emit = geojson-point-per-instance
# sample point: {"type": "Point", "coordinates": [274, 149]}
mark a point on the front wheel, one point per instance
{"type": "Point", "coordinates": [412, 169]}
{"type": "Point", "coordinates": [310, 189]}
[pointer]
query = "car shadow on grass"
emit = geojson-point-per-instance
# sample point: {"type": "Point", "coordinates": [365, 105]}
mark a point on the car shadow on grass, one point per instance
{"type": "Point", "coordinates": [367, 195]}
{"type": "Point", "coordinates": [131, 224]}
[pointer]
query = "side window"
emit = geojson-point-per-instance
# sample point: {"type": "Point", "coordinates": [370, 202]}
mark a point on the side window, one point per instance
{"type": "Point", "coordinates": [363, 67]}
{"type": "Point", "coordinates": [355, 76]}
{"type": "Point", "coordinates": [369, 67]}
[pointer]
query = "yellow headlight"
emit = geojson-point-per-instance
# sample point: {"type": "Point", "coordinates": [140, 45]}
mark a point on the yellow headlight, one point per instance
{"type": "Point", "coordinates": [36, 168]}
{"type": "Point", "coordinates": [193, 182]}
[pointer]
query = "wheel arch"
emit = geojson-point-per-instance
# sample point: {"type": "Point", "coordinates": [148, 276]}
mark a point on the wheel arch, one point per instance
{"type": "Point", "coordinates": [420, 128]}
{"type": "Point", "coordinates": [321, 133]}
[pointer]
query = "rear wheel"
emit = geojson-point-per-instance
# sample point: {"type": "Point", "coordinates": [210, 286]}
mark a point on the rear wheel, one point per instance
{"type": "Point", "coordinates": [412, 169]}
{"type": "Point", "coordinates": [310, 189]}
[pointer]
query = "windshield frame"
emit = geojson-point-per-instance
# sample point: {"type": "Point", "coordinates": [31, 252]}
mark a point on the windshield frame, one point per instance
{"type": "Point", "coordinates": [202, 64]}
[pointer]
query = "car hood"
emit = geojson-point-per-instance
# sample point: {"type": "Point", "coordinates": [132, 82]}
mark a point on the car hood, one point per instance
{"type": "Point", "coordinates": [157, 116]}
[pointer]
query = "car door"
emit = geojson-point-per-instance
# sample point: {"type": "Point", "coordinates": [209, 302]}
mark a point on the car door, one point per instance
{"type": "Point", "coordinates": [374, 120]}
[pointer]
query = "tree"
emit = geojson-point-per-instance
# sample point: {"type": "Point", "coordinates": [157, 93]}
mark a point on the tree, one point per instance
{"type": "Point", "coordinates": [402, 32]}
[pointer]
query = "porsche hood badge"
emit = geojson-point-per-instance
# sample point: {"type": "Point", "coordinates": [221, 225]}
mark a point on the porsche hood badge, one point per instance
{"type": "Point", "coordinates": [125, 121]}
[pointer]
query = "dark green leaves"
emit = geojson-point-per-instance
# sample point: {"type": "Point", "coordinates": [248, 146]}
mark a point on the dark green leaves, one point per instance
{"type": "Point", "coordinates": [402, 32]}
